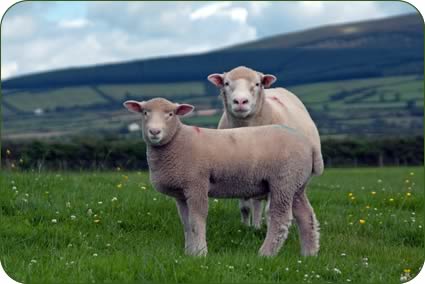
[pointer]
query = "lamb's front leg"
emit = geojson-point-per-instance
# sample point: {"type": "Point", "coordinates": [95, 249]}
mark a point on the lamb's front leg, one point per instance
{"type": "Point", "coordinates": [197, 203]}
{"type": "Point", "coordinates": [184, 217]}
{"type": "Point", "coordinates": [280, 221]}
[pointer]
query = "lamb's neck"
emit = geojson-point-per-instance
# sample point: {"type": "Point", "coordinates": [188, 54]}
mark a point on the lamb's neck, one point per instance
{"type": "Point", "coordinates": [166, 154]}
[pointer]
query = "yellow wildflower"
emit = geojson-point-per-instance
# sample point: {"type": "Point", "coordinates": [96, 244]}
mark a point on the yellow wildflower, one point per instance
{"type": "Point", "coordinates": [96, 221]}
{"type": "Point", "coordinates": [391, 199]}
{"type": "Point", "coordinates": [119, 185]}
{"type": "Point", "coordinates": [361, 221]}
{"type": "Point", "coordinates": [350, 194]}
{"type": "Point", "coordinates": [406, 270]}
{"type": "Point", "coordinates": [408, 194]}
{"type": "Point", "coordinates": [373, 192]}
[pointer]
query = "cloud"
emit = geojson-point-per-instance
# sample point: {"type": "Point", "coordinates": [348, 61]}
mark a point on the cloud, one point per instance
{"type": "Point", "coordinates": [280, 17]}
{"type": "Point", "coordinates": [74, 23]}
{"type": "Point", "coordinates": [38, 36]}
{"type": "Point", "coordinates": [209, 10]}
{"type": "Point", "coordinates": [9, 69]}
{"type": "Point", "coordinates": [27, 26]}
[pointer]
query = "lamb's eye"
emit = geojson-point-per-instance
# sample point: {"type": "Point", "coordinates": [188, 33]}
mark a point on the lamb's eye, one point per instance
{"type": "Point", "coordinates": [170, 114]}
{"type": "Point", "coordinates": [257, 84]}
{"type": "Point", "coordinates": [226, 83]}
{"type": "Point", "coordinates": [145, 113]}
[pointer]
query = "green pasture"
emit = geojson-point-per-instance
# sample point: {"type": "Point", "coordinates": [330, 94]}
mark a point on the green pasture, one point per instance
{"type": "Point", "coordinates": [112, 226]}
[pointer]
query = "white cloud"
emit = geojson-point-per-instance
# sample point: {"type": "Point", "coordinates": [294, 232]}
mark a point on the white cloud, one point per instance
{"type": "Point", "coordinates": [209, 10]}
{"type": "Point", "coordinates": [8, 69]}
{"type": "Point", "coordinates": [18, 27]}
{"type": "Point", "coordinates": [237, 14]}
{"type": "Point", "coordinates": [311, 7]}
{"type": "Point", "coordinates": [73, 23]}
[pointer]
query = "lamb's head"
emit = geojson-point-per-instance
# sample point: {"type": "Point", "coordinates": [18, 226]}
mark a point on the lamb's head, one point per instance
{"type": "Point", "coordinates": [160, 119]}
{"type": "Point", "coordinates": [242, 89]}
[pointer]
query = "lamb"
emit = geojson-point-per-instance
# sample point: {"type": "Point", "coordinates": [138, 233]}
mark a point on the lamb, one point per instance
{"type": "Point", "coordinates": [191, 164]}
{"type": "Point", "coordinates": [248, 103]}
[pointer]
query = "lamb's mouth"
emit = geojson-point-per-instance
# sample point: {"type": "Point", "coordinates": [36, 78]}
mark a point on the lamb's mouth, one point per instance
{"type": "Point", "coordinates": [155, 139]}
{"type": "Point", "coordinates": [241, 112]}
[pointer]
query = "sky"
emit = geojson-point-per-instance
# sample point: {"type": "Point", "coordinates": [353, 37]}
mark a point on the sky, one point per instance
{"type": "Point", "coordinates": [40, 36]}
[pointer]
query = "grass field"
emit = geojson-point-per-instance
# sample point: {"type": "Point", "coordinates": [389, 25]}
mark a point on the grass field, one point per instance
{"type": "Point", "coordinates": [99, 227]}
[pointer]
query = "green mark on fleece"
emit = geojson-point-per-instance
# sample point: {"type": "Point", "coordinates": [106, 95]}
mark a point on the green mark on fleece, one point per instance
{"type": "Point", "coordinates": [284, 127]}
{"type": "Point", "coordinates": [290, 129]}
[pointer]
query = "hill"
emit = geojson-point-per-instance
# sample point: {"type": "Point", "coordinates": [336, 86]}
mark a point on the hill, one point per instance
{"type": "Point", "coordinates": [401, 32]}
{"type": "Point", "coordinates": [359, 78]}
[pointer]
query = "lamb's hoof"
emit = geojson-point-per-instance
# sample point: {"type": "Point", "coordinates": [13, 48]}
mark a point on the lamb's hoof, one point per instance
{"type": "Point", "coordinates": [257, 226]}
{"type": "Point", "coordinates": [246, 222]}
{"type": "Point", "coordinates": [197, 252]}
{"type": "Point", "coordinates": [266, 252]}
{"type": "Point", "coordinates": [310, 252]}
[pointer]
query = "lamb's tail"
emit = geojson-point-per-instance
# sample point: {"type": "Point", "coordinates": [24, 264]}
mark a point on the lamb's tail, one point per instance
{"type": "Point", "coordinates": [318, 164]}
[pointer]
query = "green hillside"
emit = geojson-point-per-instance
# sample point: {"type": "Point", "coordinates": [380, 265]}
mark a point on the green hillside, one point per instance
{"type": "Point", "coordinates": [390, 105]}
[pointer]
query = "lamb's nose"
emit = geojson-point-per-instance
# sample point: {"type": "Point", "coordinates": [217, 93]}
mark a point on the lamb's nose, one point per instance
{"type": "Point", "coordinates": [154, 131]}
{"type": "Point", "coordinates": [239, 101]}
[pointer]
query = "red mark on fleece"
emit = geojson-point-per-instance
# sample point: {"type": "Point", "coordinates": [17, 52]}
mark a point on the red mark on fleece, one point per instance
{"type": "Point", "coordinates": [197, 129]}
{"type": "Point", "coordinates": [277, 100]}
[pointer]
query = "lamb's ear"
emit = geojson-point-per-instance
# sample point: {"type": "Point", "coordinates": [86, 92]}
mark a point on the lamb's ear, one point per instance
{"type": "Point", "coordinates": [216, 79]}
{"type": "Point", "coordinates": [183, 109]}
{"type": "Point", "coordinates": [133, 106]}
{"type": "Point", "coordinates": [268, 80]}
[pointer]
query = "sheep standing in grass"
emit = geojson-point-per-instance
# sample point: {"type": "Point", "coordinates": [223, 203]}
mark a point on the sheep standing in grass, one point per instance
{"type": "Point", "coordinates": [192, 164]}
{"type": "Point", "coordinates": [248, 103]}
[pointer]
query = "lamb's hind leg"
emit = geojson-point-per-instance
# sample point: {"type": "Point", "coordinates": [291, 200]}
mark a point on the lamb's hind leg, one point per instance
{"type": "Point", "coordinates": [280, 221]}
{"type": "Point", "coordinates": [245, 207]}
{"type": "Point", "coordinates": [308, 226]}
{"type": "Point", "coordinates": [257, 212]}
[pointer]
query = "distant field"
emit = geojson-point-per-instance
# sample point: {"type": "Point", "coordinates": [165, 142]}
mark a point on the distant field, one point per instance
{"type": "Point", "coordinates": [389, 105]}
{"type": "Point", "coordinates": [103, 227]}
{"type": "Point", "coordinates": [119, 92]}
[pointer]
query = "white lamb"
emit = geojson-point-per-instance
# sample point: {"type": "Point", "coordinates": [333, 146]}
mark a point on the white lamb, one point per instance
{"type": "Point", "coordinates": [247, 102]}
{"type": "Point", "coordinates": [192, 164]}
